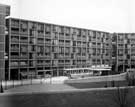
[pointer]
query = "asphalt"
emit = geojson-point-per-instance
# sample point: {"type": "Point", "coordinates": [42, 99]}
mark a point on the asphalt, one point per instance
{"type": "Point", "coordinates": [52, 88]}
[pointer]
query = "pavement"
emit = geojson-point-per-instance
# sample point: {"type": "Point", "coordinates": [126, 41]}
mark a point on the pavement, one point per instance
{"type": "Point", "coordinates": [44, 85]}
{"type": "Point", "coordinates": [52, 88]}
{"type": "Point", "coordinates": [51, 80]}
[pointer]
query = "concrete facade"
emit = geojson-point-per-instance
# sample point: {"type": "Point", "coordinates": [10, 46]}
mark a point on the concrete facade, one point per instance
{"type": "Point", "coordinates": [37, 48]}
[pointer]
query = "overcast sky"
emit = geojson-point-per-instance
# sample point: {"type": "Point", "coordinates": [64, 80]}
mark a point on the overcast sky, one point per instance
{"type": "Point", "coordinates": [104, 15]}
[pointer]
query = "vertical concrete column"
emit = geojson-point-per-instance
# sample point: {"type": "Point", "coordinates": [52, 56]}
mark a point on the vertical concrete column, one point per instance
{"type": "Point", "coordinates": [3, 13]}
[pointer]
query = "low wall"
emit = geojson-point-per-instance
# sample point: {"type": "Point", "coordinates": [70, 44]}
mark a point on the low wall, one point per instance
{"type": "Point", "coordinates": [118, 77]}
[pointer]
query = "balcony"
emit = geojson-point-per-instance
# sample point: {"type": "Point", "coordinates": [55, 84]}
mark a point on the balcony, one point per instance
{"type": "Point", "coordinates": [47, 55]}
{"type": "Point", "coordinates": [132, 56]}
{"type": "Point", "coordinates": [61, 36]}
{"type": "Point", "coordinates": [67, 63]}
{"type": "Point", "coordinates": [23, 31]}
{"type": "Point", "coordinates": [48, 42]}
{"type": "Point", "coordinates": [67, 30]}
{"type": "Point", "coordinates": [32, 63]}
{"type": "Point", "coordinates": [31, 48]}
{"type": "Point", "coordinates": [120, 57]}
{"type": "Point", "coordinates": [61, 42]}
{"type": "Point", "coordinates": [78, 38]}
{"type": "Point", "coordinates": [15, 32]}
{"type": "Point", "coordinates": [15, 23]}
{"type": "Point", "coordinates": [40, 55]}
{"type": "Point", "coordinates": [40, 32]}
{"type": "Point", "coordinates": [55, 63]}
{"type": "Point", "coordinates": [40, 63]}
{"type": "Point", "coordinates": [40, 41]}
{"type": "Point", "coordinates": [23, 63]}
{"type": "Point", "coordinates": [120, 62]}
{"type": "Point", "coordinates": [67, 55]}
{"type": "Point", "coordinates": [47, 63]}
{"type": "Point", "coordinates": [67, 43]}
{"type": "Point", "coordinates": [15, 39]}
{"type": "Point", "coordinates": [14, 64]}
{"type": "Point", "coordinates": [93, 39]}
{"type": "Point", "coordinates": [120, 41]}
{"type": "Point", "coordinates": [48, 28]}
{"type": "Point", "coordinates": [61, 56]}
{"type": "Point", "coordinates": [99, 39]}
{"type": "Point", "coordinates": [24, 27]}
{"type": "Point", "coordinates": [32, 41]}
{"type": "Point", "coordinates": [40, 35]}
{"type": "Point", "coordinates": [23, 39]}
{"type": "Point", "coordinates": [23, 55]}
{"type": "Point", "coordinates": [84, 44]}
{"type": "Point", "coordinates": [48, 35]}
{"type": "Point", "coordinates": [84, 38]}
{"type": "Point", "coordinates": [14, 57]}
{"type": "Point", "coordinates": [14, 48]}
{"type": "Point", "coordinates": [67, 36]}
{"type": "Point", "coordinates": [133, 62]}
{"type": "Point", "coordinates": [23, 48]}
{"type": "Point", "coordinates": [31, 33]}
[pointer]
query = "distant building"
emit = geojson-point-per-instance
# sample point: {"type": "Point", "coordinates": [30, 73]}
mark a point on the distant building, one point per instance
{"type": "Point", "coordinates": [123, 51]}
{"type": "Point", "coordinates": [4, 11]}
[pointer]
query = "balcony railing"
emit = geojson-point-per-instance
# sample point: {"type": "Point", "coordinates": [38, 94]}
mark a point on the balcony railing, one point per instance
{"type": "Point", "coordinates": [14, 64]}
{"type": "Point", "coordinates": [14, 48]}
{"type": "Point", "coordinates": [23, 63]}
{"type": "Point", "coordinates": [40, 35]}
{"type": "Point", "coordinates": [14, 56]}
{"type": "Point", "coordinates": [40, 41]}
{"type": "Point", "coordinates": [15, 32]}
{"type": "Point", "coordinates": [23, 56]}
{"type": "Point", "coordinates": [15, 40]}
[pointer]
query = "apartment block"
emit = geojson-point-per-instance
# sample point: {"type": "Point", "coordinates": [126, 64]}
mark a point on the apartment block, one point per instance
{"type": "Point", "coordinates": [4, 11]}
{"type": "Point", "coordinates": [31, 49]}
{"type": "Point", "coordinates": [123, 54]}
{"type": "Point", "coordinates": [36, 49]}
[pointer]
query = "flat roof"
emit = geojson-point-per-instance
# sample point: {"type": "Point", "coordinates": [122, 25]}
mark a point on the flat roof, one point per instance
{"type": "Point", "coordinates": [73, 27]}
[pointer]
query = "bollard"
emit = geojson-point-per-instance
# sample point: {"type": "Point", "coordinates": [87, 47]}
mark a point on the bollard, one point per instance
{"type": "Point", "coordinates": [113, 83]}
{"type": "Point", "coordinates": [31, 79]}
{"type": "Point", "coordinates": [5, 84]}
{"type": "Point", "coordinates": [21, 81]}
{"type": "Point", "coordinates": [105, 85]}
{"type": "Point", "coordinates": [1, 88]}
{"type": "Point", "coordinates": [13, 83]}
{"type": "Point", "coordinates": [41, 81]}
